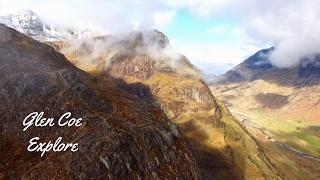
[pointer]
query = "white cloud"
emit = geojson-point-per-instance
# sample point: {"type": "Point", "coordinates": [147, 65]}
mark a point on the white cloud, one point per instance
{"type": "Point", "coordinates": [200, 7]}
{"type": "Point", "coordinates": [162, 19]}
{"type": "Point", "coordinates": [219, 53]}
{"type": "Point", "coordinates": [111, 16]}
{"type": "Point", "coordinates": [291, 25]}
{"type": "Point", "coordinates": [218, 30]}
{"type": "Point", "coordinates": [215, 53]}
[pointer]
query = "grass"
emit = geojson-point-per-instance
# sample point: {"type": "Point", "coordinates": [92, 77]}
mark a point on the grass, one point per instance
{"type": "Point", "coordinates": [292, 131]}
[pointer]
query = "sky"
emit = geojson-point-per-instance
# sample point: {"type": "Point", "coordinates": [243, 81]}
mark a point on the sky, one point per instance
{"type": "Point", "coordinates": [218, 43]}
{"type": "Point", "coordinates": [213, 34]}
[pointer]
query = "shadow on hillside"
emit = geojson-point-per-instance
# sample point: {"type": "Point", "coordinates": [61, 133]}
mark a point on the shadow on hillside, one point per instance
{"type": "Point", "coordinates": [300, 76]}
{"type": "Point", "coordinates": [271, 100]}
{"type": "Point", "coordinates": [314, 128]}
{"type": "Point", "coordinates": [215, 163]}
{"type": "Point", "coordinates": [138, 89]}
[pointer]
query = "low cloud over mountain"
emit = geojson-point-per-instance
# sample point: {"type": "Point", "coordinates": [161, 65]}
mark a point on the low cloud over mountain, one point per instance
{"type": "Point", "coordinates": [291, 26]}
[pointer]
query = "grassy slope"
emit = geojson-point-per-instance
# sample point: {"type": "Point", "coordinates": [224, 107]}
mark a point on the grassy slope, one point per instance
{"type": "Point", "coordinates": [250, 156]}
{"type": "Point", "coordinates": [286, 129]}
{"type": "Point", "coordinates": [290, 165]}
{"type": "Point", "coordinates": [227, 152]}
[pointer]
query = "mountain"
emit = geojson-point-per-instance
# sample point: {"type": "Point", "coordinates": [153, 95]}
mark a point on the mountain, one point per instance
{"type": "Point", "coordinates": [122, 136]}
{"type": "Point", "coordinates": [288, 89]}
{"type": "Point", "coordinates": [145, 65]}
{"type": "Point", "coordinates": [29, 23]}
{"type": "Point", "coordinates": [257, 66]}
{"type": "Point", "coordinates": [280, 106]}
{"type": "Point", "coordinates": [149, 83]}
{"type": "Point", "coordinates": [151, 49]}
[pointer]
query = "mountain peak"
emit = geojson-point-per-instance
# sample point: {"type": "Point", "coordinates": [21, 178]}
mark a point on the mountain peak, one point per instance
{"type": "Point", "coordinates": [25, 21]}
{"type": "Point", "coordinates": [30, 24]}
{"type": "Point", "coordinates": [258, 66]}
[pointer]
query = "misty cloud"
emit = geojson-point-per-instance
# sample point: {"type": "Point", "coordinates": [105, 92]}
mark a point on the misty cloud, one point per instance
{"type": "Point", "coordinates": [98, 52]}
{"type": "Point", "coordinates": [292, 26]}
{"type": "Point", "coordinates": [107, 16]}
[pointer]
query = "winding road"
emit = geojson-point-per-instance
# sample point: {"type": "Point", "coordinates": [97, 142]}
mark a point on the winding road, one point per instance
{"type": "Point", "coordinates": [244, 119]}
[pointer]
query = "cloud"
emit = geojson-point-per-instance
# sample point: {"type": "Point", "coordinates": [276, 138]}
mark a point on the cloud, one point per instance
{"type": "Point", "coordinates": [162, 19]}
{"type": "Point", "coordinates": [218, 54]}
{"type": "Point", "coordinates": [107, 15]}
{"type": "Point", "coordinates": [112, 15]}
{"type": "Point", "coordinates": [290, 25]}
{"type": "Point", "coordinates": [99, 51]}
{"type": "Point", "coordinates": [202, 8]}
{"type": "Point", "coordinates": [218, 30]}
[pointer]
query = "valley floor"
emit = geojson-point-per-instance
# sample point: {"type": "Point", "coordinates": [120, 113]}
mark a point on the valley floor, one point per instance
{"type": "Point", "coordinates": [295, 133]}
{"type": "Point", "coordinates": [279, 140]}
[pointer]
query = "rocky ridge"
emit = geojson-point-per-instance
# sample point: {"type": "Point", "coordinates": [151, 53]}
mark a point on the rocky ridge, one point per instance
{"type": "Point", "coordinates": [122, 137]}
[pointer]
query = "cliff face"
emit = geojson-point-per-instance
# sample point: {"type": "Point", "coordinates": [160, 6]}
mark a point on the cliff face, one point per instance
{"type": "Point", "coordinates": [122, 137]}
{"type": "Point", "coordinates": [166, 85]}
{"type": "Point", "coordinates": [222, 147]}
{"type": "Point", "coordinates": [145, 58]}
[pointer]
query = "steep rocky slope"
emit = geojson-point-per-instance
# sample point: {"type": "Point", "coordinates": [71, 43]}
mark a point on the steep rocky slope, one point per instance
{"type": "Point", "coordinates": [122, 137]}
{"type": "Point", "coordinates": [144, 64]}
